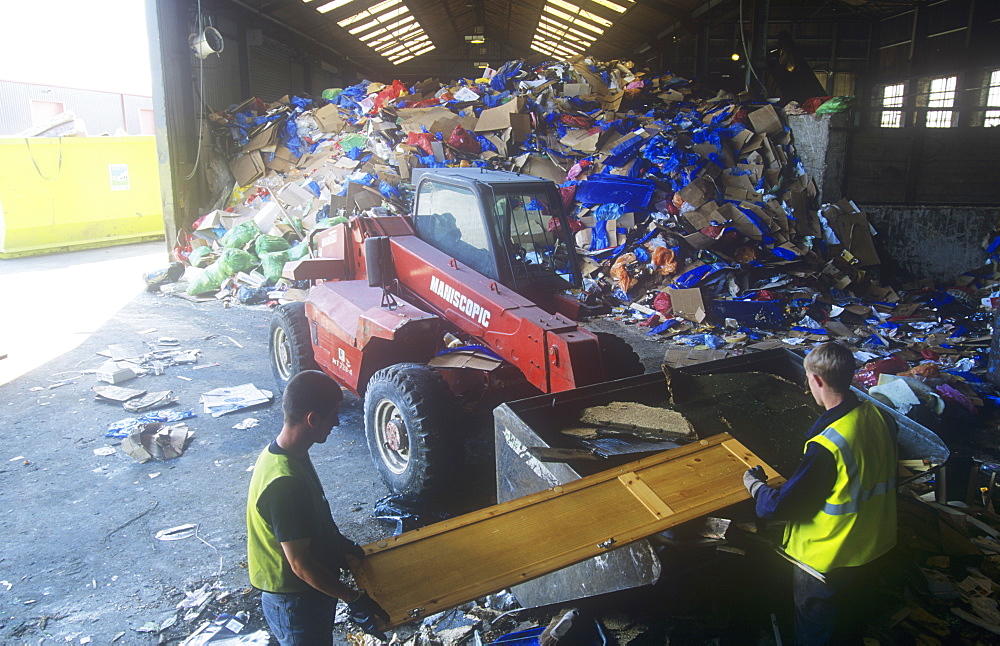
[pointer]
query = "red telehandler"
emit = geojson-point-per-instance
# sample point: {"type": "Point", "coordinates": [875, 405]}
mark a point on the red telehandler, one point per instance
{"type": "Point", "coordinates": [434, 316]}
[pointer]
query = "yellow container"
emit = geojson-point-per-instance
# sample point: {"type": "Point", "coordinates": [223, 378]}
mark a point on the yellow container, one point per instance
{"type": "Point", "coordinates": [58, 194]}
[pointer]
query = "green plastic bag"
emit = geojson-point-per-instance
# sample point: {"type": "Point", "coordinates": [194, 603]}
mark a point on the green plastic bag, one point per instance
{"type": "Point", "coordinates": [268, 244]}
{"type": "Point", "coordinates": [331, 93]}
{"type": "Point", "coordinates": [230, 262]}
{"type": "Point", "coordinates": [271, 265]}
{"type": "Point", "coordinates": [836, 104]}
{"type": "Point", "coordinates": [354, 140]}
{"type": "Point", "coordinates": [298, 252]}
{"type": "Point", "coordinates": [234, 260]}
{"type": "Point", "coordinates": [208, 280]}
{"type": "Point", "coordinates": [241, 234]}
{"type": "Point", "coordinates": [199, 256]}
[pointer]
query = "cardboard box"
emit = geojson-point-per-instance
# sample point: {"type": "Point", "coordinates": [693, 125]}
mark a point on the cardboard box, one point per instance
{"type": "Point", "coordinates": [687, 303]}
{"type": "Point", "coordinates": [499, 118]}
{"type": "Point", "coordinates": [247, 168]}
{"type": "Point", "coordinates": [114, 372]}
{"type": "Point", "coordinates": [766, 121]}
{"type": "Point", "coordinates": [855, 233]}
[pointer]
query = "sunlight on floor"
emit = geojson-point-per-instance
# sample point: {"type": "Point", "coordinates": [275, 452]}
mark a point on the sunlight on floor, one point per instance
{"type": "Point", "coordinates": [55, 302]}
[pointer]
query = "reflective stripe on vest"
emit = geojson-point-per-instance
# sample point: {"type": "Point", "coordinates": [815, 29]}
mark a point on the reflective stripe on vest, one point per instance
{"type": "Point", "coordinates": [857, 522]}
{"type": "Point", "coordinates": [857, 494]}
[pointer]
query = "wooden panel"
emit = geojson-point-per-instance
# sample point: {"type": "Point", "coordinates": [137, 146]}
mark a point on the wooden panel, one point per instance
{"type": "Point", "coordinates": [434, 568]}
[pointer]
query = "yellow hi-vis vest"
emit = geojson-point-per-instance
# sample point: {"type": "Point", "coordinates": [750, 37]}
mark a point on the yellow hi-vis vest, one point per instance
{"type": "Point", "coordinates": [268, 568]}
{"type": "Point", "coordinates": [857, 523]}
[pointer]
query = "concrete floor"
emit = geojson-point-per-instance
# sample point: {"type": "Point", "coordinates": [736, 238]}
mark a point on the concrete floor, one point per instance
{"type": "Point", "coordinates": [59, 300]}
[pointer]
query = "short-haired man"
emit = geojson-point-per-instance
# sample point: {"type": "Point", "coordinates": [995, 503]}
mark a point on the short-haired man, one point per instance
{"type": "Point", "coordinates": [840, 503]}
{"type": "Point", "coordinates": [295, 551]}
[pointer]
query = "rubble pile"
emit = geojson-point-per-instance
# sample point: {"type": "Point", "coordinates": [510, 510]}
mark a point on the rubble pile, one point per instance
{"type": "Point", "coordinates": [695, 218]}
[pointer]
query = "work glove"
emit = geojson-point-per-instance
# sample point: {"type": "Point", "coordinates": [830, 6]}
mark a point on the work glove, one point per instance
{"type": "Point", "coordinates": [363, 612]}
{"type": "Point", "coordinates": [754, 479]}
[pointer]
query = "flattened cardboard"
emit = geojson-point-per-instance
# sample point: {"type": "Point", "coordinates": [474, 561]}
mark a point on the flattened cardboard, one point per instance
{"type": "Point", "coordinates": [687, 303]}
{"type": "Point", "coordinates": [363, 197]}
{"type": "Point", "coordinates": [542, 166]}
{"type": "Point", "coordinates": [264, 137]}
{"type": "Point", "coordinates": [704, 216]}
{"type": "Point", "coordinates": [575, 89]}
{"type": "Point", "coordinates": [583, 140]}
{"type": "Point", "coordinates": [292, 195]}
{"type": "Point", "coordinates": [698, 192]}
{"type": "Point", "coordinates": [328, 118]}
{"type": "Point", "coordinates": [282, 161]}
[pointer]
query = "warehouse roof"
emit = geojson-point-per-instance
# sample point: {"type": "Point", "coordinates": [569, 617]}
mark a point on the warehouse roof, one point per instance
{"type": "Point", "coordinates": [412, 37]}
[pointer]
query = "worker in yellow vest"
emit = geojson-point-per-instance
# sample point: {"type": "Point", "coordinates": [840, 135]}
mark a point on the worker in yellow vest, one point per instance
{"type": "Point", "coordinates": [840, 504]}
{"type": "Point", "coordinates": [295, 552]}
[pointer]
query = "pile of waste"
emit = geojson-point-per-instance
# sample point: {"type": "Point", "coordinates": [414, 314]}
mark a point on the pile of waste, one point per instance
{"type": "Point", "coordinates": [693, 214]}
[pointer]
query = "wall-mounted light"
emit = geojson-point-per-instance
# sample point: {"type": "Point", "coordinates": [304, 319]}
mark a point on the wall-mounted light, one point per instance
{"type": "Point", "coordinates": [481, 64]}
{"type": "Point", "coordinates": [476, 39]}
{"type": "Point", "coordinates": [735, 57]}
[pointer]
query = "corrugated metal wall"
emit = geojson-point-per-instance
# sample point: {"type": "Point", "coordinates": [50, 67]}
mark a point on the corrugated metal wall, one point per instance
{"type": "Point", "coordinates": [222, 73]}
{"type": "Point", "coordinates": [102, 112]}
{"type": "Point", "coordinates": [273, 74]}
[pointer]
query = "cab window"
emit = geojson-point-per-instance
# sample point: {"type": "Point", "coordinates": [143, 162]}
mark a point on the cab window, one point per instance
{"type": "Point", "coordinates": [451, 220]}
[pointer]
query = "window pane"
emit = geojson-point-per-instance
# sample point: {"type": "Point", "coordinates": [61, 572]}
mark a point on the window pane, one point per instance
{"type": "Point", "coordinates": [992, 119]}
{"type": "Point", "coordinates": [942, 94]}
{"type": "Point", "coordinates": [892, 119]}
{"type": "Point", "coordinates": [449, 218]}
{"type": "Point", "coordinates": [993, 99]}
{"type": "Point", "coordinates": [892, 96]}
{"type": "Point", "coordinates": [537, 250]}
{"type": "Point", "coordinates": [939, 118]}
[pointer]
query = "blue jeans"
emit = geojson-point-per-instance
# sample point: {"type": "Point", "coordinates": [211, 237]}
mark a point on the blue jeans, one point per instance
{"type": "Point", "coordinates": [838, 611]}
{"type": "Point", "coordinates": [300, 618]}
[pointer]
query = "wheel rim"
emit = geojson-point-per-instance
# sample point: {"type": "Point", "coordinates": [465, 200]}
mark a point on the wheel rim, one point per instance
{"type": "Point", "coordinates": [281, 353]}
{"type": "Point", "coordinates": [391, 437]}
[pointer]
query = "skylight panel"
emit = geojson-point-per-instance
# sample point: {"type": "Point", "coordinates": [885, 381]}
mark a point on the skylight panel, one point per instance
{"type": "Point", "coordinates": [569, 30]}
{"type": "Point", "coordinates": [572, 20]}
{"type": "Point", "coordinates": [330, 6]}
{"type": "Point", "coordinates": [367, 13]}
{"type": "Point", "coordinates": [614, 6]}
{"type": "Point", "coordinates": [399, 34]}
{"type": "Point", "coordinates": [560, 34]}
{"type": "Point", "coordinates": [380, 20]}
{"type": "Point", "coordinates": [386, 27]}
{"type": "Point", "coordinates": [571, 26]}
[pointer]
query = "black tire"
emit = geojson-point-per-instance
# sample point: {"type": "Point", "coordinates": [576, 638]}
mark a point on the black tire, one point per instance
{"type": "Point", "coordinates": [410, 416]}
{"type": "Point", "coordinates": [618, 357]}
{"type": "Point", "coordinates": [290, 345]}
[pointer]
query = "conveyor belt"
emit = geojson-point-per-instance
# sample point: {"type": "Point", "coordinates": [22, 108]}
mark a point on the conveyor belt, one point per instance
{"type": "Point", "coordinates": [431, 569]}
